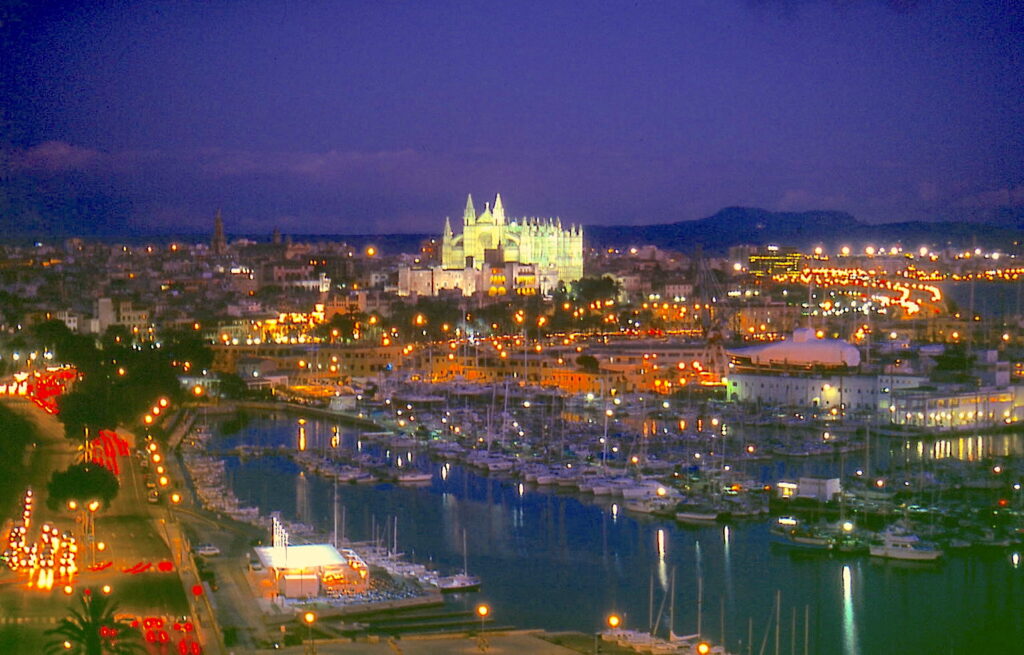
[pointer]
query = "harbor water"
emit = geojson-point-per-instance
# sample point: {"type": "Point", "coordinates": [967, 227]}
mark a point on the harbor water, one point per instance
{"type": "Point", "coordinates": [565, 561]}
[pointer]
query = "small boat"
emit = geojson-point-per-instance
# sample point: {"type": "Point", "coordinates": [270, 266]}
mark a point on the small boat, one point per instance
{"type": "Point", "coordinates": [696, 513]}
{"type": "Point", "coordinates": [458, 582]}
{"type": "Point", "coordinates": [651, 505]}
{"type": "Point", "coordinates": [897, 543]}
{"type": "Point", "coordinates": [415, 477]}
{"type": "Point", "coordinates": [787, 531]}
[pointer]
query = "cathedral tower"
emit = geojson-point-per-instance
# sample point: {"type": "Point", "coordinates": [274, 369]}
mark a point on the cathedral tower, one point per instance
{"type": "Point", "coordinates": [218, 245]}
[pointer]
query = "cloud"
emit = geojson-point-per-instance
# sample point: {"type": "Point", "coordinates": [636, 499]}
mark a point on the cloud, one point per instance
{"type": "Point", "coordinates": [320, 166]}
{"type": "Point", "coordinates": [55, 157]}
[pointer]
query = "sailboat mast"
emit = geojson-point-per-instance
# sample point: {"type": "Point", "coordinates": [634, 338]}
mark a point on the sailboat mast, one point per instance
{"type": "Point", "coordinates": [778, 613]}
{"type": "Point", "coordinates": [650, 605]}
{"type": "Point", "coordinates": [672, 608]}
{"type": "Point", "coordinates": [700, 603]}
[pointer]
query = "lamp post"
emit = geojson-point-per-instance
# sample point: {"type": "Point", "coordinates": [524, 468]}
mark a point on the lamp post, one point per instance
{"type": "Point", "coordinates": [482, 611]}
{"type": "Point", "coordinates": [604, 440]}
{"type": "Point", "coordinates": [90, 528]}
{"type": "Point", "coordinates": [613, 621]}
{"type": "Point", "coordinates": [309, 618]}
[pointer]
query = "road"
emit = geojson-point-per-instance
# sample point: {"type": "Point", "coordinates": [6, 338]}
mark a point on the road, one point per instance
{"type": "Point", "coordinates": [130, 531]}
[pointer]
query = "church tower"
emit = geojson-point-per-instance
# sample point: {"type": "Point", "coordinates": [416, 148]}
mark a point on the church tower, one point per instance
{"type": "Point", "coordinates": [218, 245]}
{"type": "Point", "coordinates": [448, 255]}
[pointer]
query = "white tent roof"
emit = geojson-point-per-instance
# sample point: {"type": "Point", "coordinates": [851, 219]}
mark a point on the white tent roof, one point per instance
{"type": "Point", "coordinates": [804, 349]}
{"type": "Point", "coordinates": [305, 556]}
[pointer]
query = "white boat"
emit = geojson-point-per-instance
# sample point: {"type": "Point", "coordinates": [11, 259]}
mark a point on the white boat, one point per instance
{"type": "Point", "coordinates": [645, 488]}
{"type": "Point", "coordinates": [458, 582]}
{"type": "Point", "coordinates": [697, 514]}
{"type": "Point", "coordinates": [896, 543]}
{"type": "Point", "coordinates": [651, 504]}
{"type": "Point", "coordinates": [415, 477]}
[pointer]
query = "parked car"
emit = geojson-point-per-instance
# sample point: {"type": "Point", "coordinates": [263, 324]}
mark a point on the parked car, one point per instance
{"type": "Point", "coordinates": [207, 550]}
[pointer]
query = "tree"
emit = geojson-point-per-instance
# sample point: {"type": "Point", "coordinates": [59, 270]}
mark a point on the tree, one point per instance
{"type": "Point", "coordinates": [593, 289]}
{"type": "Point", "coordinates": [79, 410]}
{"type": "Point", "coordinates": [187, 346]}
{"type": "Point", "coordinates": [82, 483]}
{"type": "Point", "coordinates": [341, 327]}
{"type": "Point", "coordinates": [232, 386]}
{"type": "Point", "coordinates": [92, 629]}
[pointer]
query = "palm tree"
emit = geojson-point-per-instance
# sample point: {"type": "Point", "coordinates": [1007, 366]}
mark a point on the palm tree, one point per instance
{"type": "Point", "coordinates": [92, 629]}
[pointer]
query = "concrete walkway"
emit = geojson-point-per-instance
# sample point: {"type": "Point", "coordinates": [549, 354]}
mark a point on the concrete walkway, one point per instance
{"type": "Point", "coordinates": [514, 643]}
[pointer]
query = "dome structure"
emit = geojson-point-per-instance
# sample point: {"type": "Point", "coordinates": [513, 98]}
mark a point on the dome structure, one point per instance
{"type": "Point", "coordinates": [803, 349]}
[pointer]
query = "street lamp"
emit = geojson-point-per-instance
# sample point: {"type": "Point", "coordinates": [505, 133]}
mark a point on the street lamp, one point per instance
{"type": "Point", "coordinates": [309, 618]}
{"type": "Point", "coordinates": [482, 611]}
{"type": "Point", "coordinates": [614, 621]}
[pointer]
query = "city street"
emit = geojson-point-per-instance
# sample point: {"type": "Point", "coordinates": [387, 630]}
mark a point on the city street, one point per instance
{"type": "Point", "coordinates": [125, 535]}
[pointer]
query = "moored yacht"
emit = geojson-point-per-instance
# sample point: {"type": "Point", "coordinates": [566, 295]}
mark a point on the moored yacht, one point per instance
{"type": "Point", "coordinates": [897, 543]}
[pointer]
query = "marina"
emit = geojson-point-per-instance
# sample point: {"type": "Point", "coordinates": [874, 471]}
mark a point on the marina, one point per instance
{"type": "Point", "coordinates": [557, 536]}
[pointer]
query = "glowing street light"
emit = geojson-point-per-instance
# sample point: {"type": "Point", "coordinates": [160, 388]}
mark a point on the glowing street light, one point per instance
{"type": "Point", "coordinates": [614, 621]}
{"type": "Point", "coordinates": [309, 618]}
{"type": "Point", "coordinates": [482, 611]}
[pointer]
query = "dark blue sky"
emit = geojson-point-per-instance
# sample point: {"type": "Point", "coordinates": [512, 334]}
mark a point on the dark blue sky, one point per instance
{"type": "Point", "coordinates": [348, 117]}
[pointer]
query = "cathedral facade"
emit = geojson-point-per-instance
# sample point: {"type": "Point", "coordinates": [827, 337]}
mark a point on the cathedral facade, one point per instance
{"type": "Point", "coordinates": [497, 255]}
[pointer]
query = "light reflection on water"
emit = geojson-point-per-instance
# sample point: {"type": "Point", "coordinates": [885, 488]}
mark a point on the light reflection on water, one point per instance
{"type": "Point", "coordinates": [662, 566]}
{"type": "Point", "coordinates": [561, 561]}
{"type": "Point", "coordinates": [849, 623]}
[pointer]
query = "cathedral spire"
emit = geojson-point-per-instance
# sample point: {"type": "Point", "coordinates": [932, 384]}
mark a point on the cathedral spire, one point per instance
{"type": "Point", "coordinates": [469, 216]}
{"type": "Point", "coordinates": [447, 228]}
{"type": "Point", "coordinates": [498, 211]}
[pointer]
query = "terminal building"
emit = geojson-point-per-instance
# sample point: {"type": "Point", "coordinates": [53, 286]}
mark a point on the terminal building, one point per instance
{"type": "Point", "coordinates": [808, 372]}
{"type": "Point", "coordinates": [825, 376]}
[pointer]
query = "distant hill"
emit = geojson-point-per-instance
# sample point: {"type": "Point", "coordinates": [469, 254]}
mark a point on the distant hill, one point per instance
{"type": "Point", "coordinates": [745, 225]}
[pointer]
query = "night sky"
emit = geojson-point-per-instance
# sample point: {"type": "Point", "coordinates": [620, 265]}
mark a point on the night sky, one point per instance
{"type": "Point", "coordinates": [356, 117]}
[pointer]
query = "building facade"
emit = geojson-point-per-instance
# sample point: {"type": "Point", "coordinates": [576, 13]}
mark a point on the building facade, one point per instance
{"type": "Point", "coordinates": [498, 256]}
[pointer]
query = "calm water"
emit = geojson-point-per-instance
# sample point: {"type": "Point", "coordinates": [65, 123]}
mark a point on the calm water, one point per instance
{"type": "Point", "coordinates": [560, 561]}
{"type": "Point", "coordinates": [989, 298]}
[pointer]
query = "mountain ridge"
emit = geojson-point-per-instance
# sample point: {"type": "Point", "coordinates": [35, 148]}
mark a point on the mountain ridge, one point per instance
{"type": "Point", "coordinates": [733, 226]}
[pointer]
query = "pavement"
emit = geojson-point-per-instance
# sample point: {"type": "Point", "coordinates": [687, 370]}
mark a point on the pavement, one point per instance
{"type": "Point", "coordinates": [512, 643]}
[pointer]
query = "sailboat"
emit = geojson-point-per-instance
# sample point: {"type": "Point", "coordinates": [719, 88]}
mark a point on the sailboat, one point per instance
{"type": "Point", "coordinates": [460, 581]}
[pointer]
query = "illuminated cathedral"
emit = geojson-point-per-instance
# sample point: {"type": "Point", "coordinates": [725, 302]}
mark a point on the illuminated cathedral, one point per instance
{"type": "Point", "coordinates": [498, 255]}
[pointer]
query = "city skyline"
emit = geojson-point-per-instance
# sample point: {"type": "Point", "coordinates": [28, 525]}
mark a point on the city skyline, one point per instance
{"type": "Point", "coordinates": [147, 118]}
